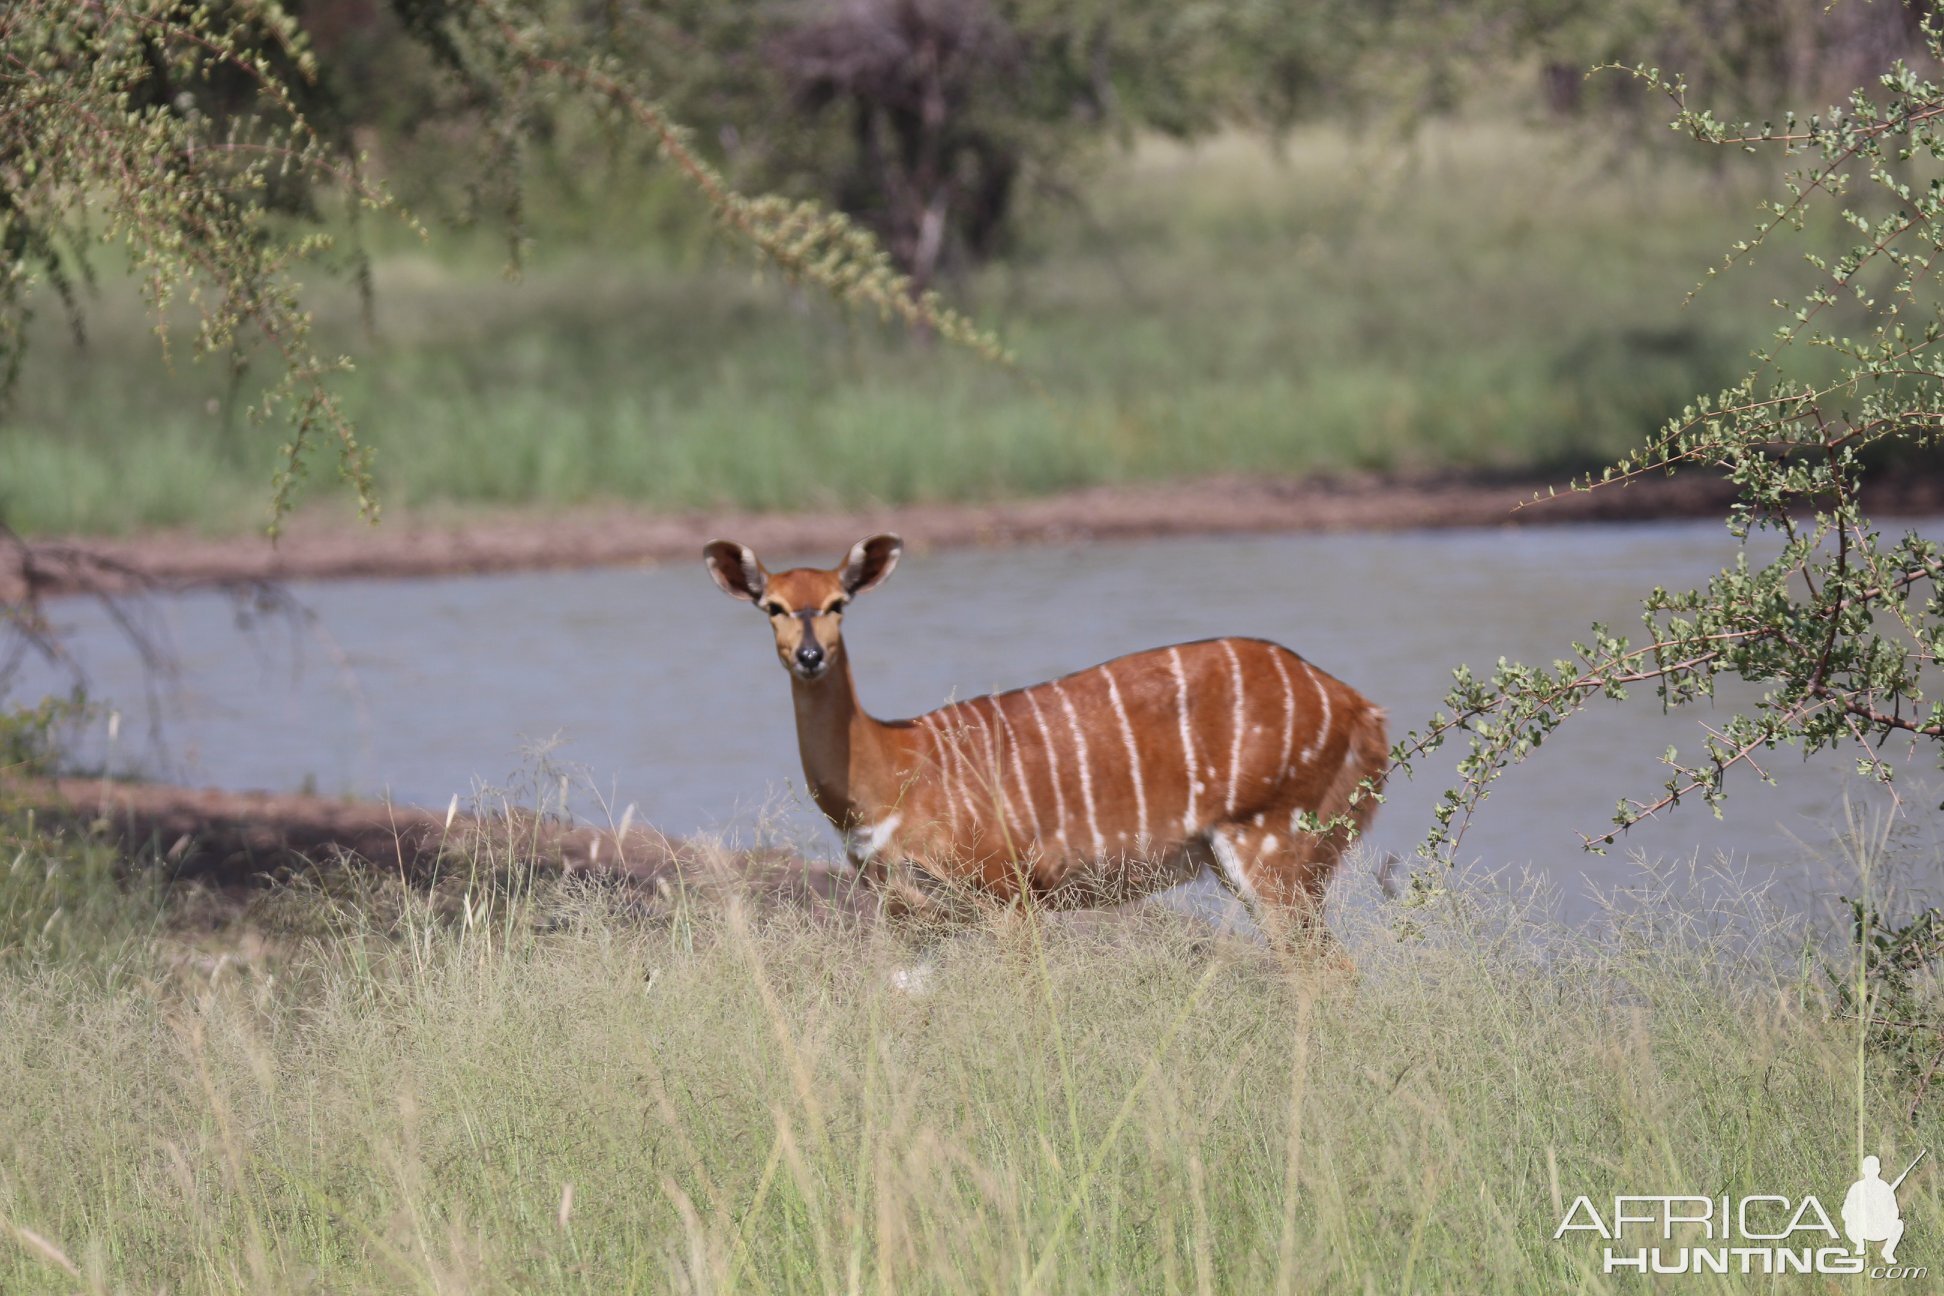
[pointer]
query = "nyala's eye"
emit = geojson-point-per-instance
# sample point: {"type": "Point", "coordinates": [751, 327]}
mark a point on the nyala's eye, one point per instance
{"type": "Point", "coordinates": [833, 609]}
{"type": "Point", "coordinates": [773, 609]}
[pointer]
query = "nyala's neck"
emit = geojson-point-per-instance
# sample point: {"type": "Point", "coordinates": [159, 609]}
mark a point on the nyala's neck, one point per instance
{"type": "Point", "coordinates": [850, 760]}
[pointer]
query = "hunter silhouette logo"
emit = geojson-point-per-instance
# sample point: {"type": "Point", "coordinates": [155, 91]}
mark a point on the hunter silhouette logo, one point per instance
{"type": "Point", "coordinates": [1870, 1209]}
{"type": "Point", "coordinates": [1762, 1233]}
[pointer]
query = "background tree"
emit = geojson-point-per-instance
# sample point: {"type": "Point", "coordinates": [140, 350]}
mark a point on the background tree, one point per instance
{"type": "Point", "coordinates": [947, 109]}
{"type": "Point", "coordinates": [925, 119]}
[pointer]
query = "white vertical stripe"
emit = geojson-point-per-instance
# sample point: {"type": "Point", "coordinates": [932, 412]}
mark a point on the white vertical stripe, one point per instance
{"type": "Point", "coordinates": [1052, 765]}
{"type": "Point", "coordinates": [1188, 816]}
{"type": "Point", "coordinates": [934, 726]}
{"type": "Point", "coordinates": [1289, 713]}
{"type": "Point", "coordinates": [1086, 773]}
{"type": "Point", "coordinates": [936, 722]}
{"type": "Point", "coordinates": [1315, 749]}
{"type": "Point", "coordinates": [995, 776]}
{"type": "Point", "coordinates": [1229, 861]}
{"type": "Point", "coordinates": [962, 760]}
{"type": "Point", "coordinates": [1235, 747]}
{"type": "Point", "coordinates": [1019, 768]}
{"type": "Point", "coordinates": [1133, 758]}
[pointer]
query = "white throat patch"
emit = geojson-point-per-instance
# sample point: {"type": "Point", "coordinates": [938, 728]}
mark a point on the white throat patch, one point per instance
{"type": "Point", "coordinates": [865, 842]}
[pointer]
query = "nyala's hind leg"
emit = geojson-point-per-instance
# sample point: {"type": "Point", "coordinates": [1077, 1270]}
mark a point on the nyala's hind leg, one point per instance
{"type": "Point", "coordinates": [929, 914]}
{"type": "Point", "coordinates": [1281, 878]}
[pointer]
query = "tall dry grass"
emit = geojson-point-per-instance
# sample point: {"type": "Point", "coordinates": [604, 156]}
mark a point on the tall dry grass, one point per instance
{"type": "Point", "coordinates": [542, 1085]}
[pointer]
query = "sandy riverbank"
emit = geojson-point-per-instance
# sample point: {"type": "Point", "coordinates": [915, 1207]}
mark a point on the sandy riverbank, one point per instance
{"type": "Point", "coordinates": [315, 547]}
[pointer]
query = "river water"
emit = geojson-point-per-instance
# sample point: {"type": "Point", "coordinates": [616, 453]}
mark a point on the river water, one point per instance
{"type": "Point", "coordinates": [658, 692]}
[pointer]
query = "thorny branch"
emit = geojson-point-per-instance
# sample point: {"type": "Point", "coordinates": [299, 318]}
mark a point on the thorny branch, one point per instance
{"type": "Point", "coordinates": [1839, 624]}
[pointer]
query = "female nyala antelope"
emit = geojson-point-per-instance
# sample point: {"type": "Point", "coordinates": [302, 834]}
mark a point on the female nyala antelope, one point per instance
{"type": "Point", "coordinates": [1110, 783]}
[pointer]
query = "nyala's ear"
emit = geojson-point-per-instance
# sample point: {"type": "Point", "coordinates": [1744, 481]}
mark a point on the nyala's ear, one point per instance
{"type": "Point", "coordinates": [735, 569]}
{"type": "Point", "coordinates": [869, 562]}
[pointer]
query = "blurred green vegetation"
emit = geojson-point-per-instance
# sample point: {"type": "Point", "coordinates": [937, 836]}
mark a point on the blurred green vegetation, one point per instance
{"type": "Point", "coordinates": [1409, 237]}
{"type": "Point", "coordinates": [31, 737]}
{"type": "Point", "coordinates": [1491, 296]}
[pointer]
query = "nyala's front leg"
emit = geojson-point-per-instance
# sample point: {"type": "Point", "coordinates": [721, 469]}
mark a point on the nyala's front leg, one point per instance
{"type": "Point", "coordinates": [919, 897]}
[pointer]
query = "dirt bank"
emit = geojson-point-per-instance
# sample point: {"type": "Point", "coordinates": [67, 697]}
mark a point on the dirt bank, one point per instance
{"type": "Point", "coordinates": [232, 839]}
{"type": "Point", "coordinates": [315, 548]}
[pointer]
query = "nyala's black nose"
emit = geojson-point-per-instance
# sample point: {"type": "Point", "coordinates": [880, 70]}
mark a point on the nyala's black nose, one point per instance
{"type": "Point", "coordinates": [809, 656]}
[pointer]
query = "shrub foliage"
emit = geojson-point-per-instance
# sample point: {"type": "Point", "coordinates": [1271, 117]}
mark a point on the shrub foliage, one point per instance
{"type": "Point", "coordinates": [1837, 620]}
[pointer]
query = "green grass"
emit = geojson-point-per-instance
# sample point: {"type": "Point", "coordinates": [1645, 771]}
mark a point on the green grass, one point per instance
{"type": "Point", "coordinates": [1488, 298]}
{"type": "Point", "coordinates": [535, 1088]}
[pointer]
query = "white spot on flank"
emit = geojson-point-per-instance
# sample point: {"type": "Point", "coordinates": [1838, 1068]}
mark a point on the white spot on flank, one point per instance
{"type": "Point", "coordinates": [1086, 772]}
{"type": "Point", "coordinates": [1268, 843]}
{"type": "Point", "coordinates": [1052, 764]}
{"type": "Point", "coordinates": [1315, 749]}
{"type": "Point", "coordinates": [1133, 754]}
{"type": "Point", "coordinates": [1235, 747]}
{"type": "Point", "coordinates": [1188, 816]}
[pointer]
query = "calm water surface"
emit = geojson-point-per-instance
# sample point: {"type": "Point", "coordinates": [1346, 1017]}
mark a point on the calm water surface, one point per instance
{"type": "Point", "coordinates": [661, 693]}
